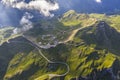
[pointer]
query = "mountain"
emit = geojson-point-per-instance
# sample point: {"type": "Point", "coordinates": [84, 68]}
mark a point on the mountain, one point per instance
{"type": "Point", "coordinates": [103, 35]}
{"type": "Point", "coordinates": [57, 50]}
{"type": "Point", "coordinates": [107, 7]}
{"type": "Point", "coordinates": [72, 18]}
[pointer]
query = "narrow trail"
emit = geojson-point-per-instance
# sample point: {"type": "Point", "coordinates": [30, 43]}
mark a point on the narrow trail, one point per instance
{"type": "Point", "coordinates": [49, 61]}
{"type": "Point", "coordinates": [74, 32]}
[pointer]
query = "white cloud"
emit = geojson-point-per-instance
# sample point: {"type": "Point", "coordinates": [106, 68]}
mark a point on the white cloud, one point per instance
{"type": "Point", "coordinates": [43, 6]}
{"type": "Point", "coordinates": [98, 1]}
{"type": "Point", "coordinates": [25, 23]}
{"type": "Point", "coordinates": [4, 18]}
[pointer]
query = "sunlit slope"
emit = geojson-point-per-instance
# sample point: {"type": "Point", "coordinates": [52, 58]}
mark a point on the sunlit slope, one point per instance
{"type": "Point", "coordinates": [96, 49]}
{"type": "Point", "coordinates": [88, 45]}
{"type": "Point", "coordinates": [87, 54]}
{"type": "Point", "coordinates": [72, 18]}
{"type": "Point", "coordinates": [7, 33]}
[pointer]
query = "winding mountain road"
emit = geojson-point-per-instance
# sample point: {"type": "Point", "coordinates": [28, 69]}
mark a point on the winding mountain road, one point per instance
{"type": "Point", "coordinates": [49, 61]}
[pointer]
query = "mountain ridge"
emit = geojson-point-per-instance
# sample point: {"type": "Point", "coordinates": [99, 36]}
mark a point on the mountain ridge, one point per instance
{"type": "Point", "coordinates": [92, 50]}
{"type": "Point", "coordinates": [84, 58]}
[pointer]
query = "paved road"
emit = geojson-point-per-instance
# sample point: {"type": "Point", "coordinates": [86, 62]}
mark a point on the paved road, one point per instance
{"type": "Point", "coordinates": [49, 61]}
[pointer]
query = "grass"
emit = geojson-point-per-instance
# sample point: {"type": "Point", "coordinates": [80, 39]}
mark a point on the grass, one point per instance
{"type": "Point", "coordinates": [19, 63]}
{"type": "Point", "coordinates": [44, 77]}
{"type": "Point", "coordinates": [6, 33]}
{"type": "Point", "coordinates": [72, 18]}
{"type": "Point", "coordinates": [24, 62]}
{"type": "Point", "coordinates": [81, 54]}
{"type": "Point", "coordinates": [82, 62]}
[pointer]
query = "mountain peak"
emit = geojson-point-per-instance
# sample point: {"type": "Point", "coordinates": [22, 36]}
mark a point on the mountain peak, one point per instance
{"type": "Point", "coordinates": [102, 35]}
{"type": "Point", "coordinates": [104, 29]}
{"type": "Point", "coordinates": [106, 35]}
{"type": "Point", "coordinates": [102, 24]}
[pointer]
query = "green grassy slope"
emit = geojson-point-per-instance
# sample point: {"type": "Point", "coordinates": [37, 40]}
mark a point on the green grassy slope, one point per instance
{"type": "Point", "coordinates": [6, 33]}
{"type": "Point", "coordinates": [93, 50]}
{"type": "Point", "coordinates": [7, 51]}
{"type": "Point", "coordinates": [72, 18]}
{"type": "Point", "coordinates": [84, 55]}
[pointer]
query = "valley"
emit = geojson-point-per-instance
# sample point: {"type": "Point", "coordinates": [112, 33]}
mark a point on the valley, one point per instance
{"type": "Point", "coordinates": [72, 47]}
